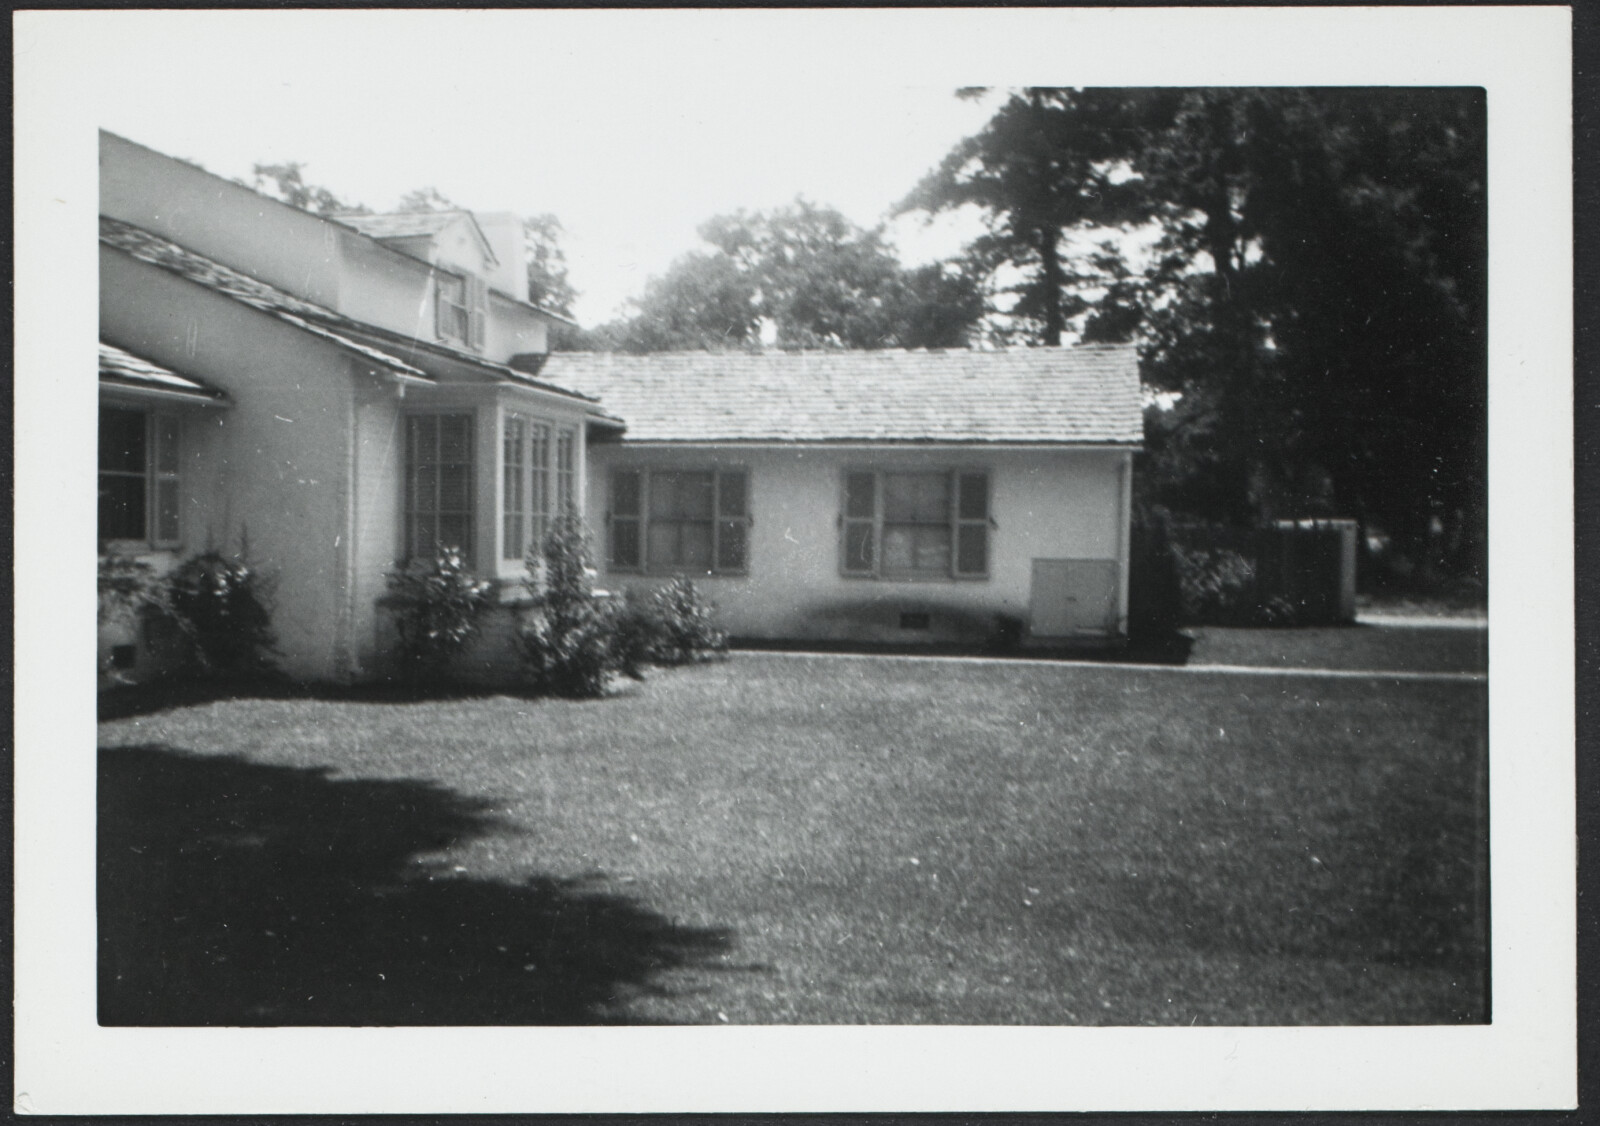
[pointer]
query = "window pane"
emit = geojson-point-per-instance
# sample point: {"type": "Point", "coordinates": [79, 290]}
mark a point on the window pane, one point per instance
{"type": "Point", "coordinates": [663, 544]}
{"type": "Point", "coordinates": [730, 494]}
{"type": "Point", "coordinates": [682, 495]}
{"type": "Point", "coordinates": [858, 547]}
{"type": "Point", "coordinates": [972, 549]}
{"type": "Point", "coordinates": [455, 438]}
{"type": "Point", "coordinates": [858, 490]}
{"type": "Point", "coordinates": [625, 543]}
{"type": "Point", "coordinates": [122, 441]}
{"type": "Point", "coordinates": [974, 496]}
{"type": "Point", "coordinates": [166, 443]}
{"type": "Point", "coordinates": [423, 435]}
{"type": "Point", "coordinates": [695, 543]}
{"type": "Point", "coordinates": [121, 508]}
{"type": "Point", "coordinates": [453, 532]}
{"type": "Point", "coordinates": [511, 534]}
{"type": "Point", "coordinates": [932, 550]}
{"type": "Point", "coordinates": [625, 493]}
{"type": "Point", "coordinates": [424, 535]}
{"type": "Point", "coordinates": [167, 510]}
{"type": "Point", "coordinates": [424, 489]}
{"type": "Point", "coordinates": [916, 497]}
{"type": "Point", "coordinates": [898, 550]}
{"type": "Point", "coordinates": [454, 487]}
{"type": "Point", "coordinates": [916, 548]}
{"type": "Point", "coordinates": [730, 546]}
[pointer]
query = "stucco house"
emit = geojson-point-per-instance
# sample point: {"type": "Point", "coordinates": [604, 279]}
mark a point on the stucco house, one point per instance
{"type": "Point", "coordinates": [349, 391]}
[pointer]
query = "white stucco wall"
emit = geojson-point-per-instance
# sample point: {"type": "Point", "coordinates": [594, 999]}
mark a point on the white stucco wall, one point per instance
{"type": "Point", "coordinates": [1045, 504]}
{"type": "Point", "coordinates": [275, 465]}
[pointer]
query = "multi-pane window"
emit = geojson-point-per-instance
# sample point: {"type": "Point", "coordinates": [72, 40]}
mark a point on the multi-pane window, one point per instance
{"type": "Point", "coordinates": [139, 469]}
{"type": "Point", "coordinates": [438, 483]}
{"type": "Point", "coordinates": [539, 481]}
{"type": "Point", "coordinates": [514, 488]}
{"type": "Point", "coordinates": [669, 520]}
{"type": "Point", "coordinates": [460, 306]}
{"type": "Point", "coordinates": [916, 525]}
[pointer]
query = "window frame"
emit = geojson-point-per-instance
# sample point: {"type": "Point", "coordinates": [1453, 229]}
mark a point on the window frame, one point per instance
{"type": "Point", "coordinates": [548, 479]}
{"type": "Point", "coordinates": [469, 312]}
{"type": "Point", "coordinates": [876, 521]}
{"type": "Point", "coordinates": [158, 426]}
{"type": "Point", "coordinates": [409, 510]}
{"type": "Point", "coordinates": [720, 521]}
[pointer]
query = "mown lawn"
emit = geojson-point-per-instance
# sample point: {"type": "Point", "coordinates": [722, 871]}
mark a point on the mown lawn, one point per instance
{"type": "Point", "coordinates": [797, 839]}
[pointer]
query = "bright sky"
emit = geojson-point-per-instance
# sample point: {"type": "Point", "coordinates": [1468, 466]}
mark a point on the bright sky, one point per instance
{"type": "Point", "coordinates": [630, 137]}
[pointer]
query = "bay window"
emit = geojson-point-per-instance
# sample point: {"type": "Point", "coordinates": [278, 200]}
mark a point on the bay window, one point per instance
{"type": "Point", "coordinates": [139, 476]}
{"type": "Point", "coordinates": [665, 521]}
{"type": "Point", "coordinates": [539, 470]}
{"type": "Point", "coordinates": [914, 525]}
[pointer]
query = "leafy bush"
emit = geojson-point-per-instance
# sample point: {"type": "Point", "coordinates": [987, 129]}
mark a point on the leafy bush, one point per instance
{"type": "Point", "coordinates": [129, 587]}
{"type": "Point", "coordinates": [225, 607]}
{"type": "Point", "coordinates": [572, 643]}
{"type": "Point", "coordinates": [437, 604]}
{"type": "Point", "coordinates": [1217, 584]}
{"type": "Point", "coordinates": [684, 626]}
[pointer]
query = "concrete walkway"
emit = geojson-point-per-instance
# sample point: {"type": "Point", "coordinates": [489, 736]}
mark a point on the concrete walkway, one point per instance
{"type": "Point", "coordinates": [1222, 670]}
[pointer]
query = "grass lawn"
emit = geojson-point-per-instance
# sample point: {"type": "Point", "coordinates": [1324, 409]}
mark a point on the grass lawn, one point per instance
{"type": "Point", "coordinates": [792, 839]}
{"type": "Point", "coordinates": [1391, 648]}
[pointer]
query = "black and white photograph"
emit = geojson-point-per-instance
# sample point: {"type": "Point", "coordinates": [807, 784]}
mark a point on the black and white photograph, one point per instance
{"type": "Point", "coordinates": [649, 537]}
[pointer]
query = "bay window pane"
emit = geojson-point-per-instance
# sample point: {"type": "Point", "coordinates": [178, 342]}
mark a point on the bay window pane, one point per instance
{"type": "Point", "coordinates": [730, 545]}
{"type": "Point", "coordinates": [455, 438]}
{"type": "Point", "coordinates": [453, 531]}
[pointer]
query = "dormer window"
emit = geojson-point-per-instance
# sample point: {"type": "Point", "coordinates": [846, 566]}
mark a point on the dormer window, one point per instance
{"type": "Point", "coordinates": [461, 307]}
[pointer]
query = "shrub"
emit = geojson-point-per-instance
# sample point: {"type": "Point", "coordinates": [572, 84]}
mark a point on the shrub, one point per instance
{"type": "Point", "coordinates": [129, 587]}
{"type": "Point", "coordinates": [225, 607]}
{"type": "Point", "coordinates": [684, 626]}
{"type": "Point", "coordinates": [572, 645]}
{"type": "Point", "coordinates": [437, 604]}
{"type": "Point", "coordinates": [1217, 584]}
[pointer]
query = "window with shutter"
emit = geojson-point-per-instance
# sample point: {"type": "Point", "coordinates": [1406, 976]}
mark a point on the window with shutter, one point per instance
{"type": "Point", "coordinates": [672, 521]}
{"type": "Point", "coordinates": [915, 525]}
{"type": "Point", "coordinates": [452, 314]}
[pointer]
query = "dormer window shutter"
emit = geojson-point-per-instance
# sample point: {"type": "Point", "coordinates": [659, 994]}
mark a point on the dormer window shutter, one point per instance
{"type": "Point", "coordinates": [477, 311]}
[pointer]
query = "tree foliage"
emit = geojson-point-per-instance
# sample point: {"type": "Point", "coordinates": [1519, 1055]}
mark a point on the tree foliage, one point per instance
{"type": "Point", "coordinates": [286, 181]}
{"type": "Point", "coordinates": [1315, 291]}
{"type": "Point", "coordinates": [819, 281]}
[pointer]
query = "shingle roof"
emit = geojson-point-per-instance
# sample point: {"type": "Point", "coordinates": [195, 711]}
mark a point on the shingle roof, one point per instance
{"type": "Point", "coordinates": [306, 315]}
{"type": "Point", "coordinates": [1083, 395]}
{"type": "Point", "coordinates": [157, 251]}
{"type": "Point", "coordinates": [122, 367]}
{"type": "Point", "coordinates": [400, 224]}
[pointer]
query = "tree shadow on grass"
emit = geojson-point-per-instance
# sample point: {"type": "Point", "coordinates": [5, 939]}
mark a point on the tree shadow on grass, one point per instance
{"type": "Point", "coordinates": [235, 893]}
